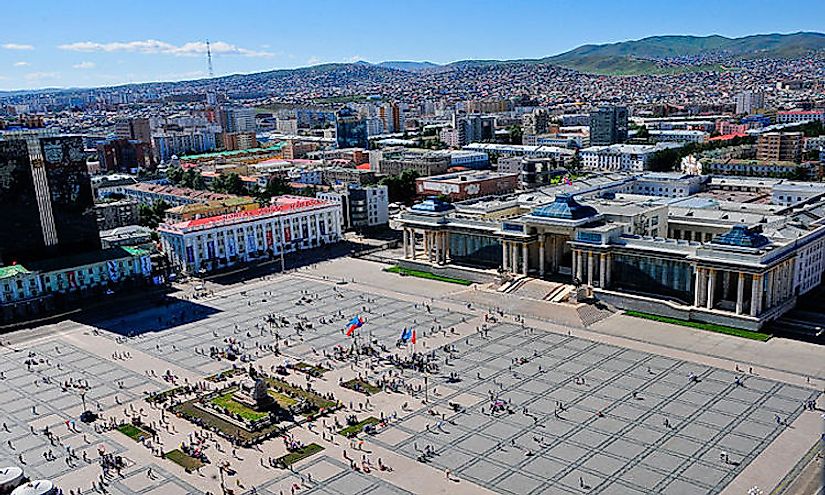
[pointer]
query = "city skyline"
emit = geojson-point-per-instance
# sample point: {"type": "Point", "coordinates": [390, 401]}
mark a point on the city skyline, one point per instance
{"type": "Point", "coordinates": [100, 50]}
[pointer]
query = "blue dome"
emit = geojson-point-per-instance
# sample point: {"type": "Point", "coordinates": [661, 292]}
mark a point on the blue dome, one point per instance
{"type": "Point", "coordinates": [565, 207]}
{"type": "Point", "coordinates": [432, 205]}
{"type": "Point", "coordinates": [742, 236]}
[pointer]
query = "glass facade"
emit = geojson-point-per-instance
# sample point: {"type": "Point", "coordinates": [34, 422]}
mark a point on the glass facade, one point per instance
{"type": "Point", "coordinates": [71, 194]}
{"type": "Point", "coordinates": [21, 235]}
{"type": "Point", "coordinates": [646, 275]}
{"type": "Point", "coordinates": [475, 250]}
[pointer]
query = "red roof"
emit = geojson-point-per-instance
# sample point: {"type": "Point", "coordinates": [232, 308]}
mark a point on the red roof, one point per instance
{"type": "Point", "coordinates": [283, 204]}
{"type": "Point", "coordinates": [363, 166]}
{"type": "Point", "coordinates": [801, 112]}
{"type": "Point", "coordinates": [728, 137]}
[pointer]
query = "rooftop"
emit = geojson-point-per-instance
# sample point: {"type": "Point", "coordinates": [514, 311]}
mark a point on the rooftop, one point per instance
{"type": "Point", "coordinates": [283, 204]}
{"type": "Point", "coordinates": [565, 207]}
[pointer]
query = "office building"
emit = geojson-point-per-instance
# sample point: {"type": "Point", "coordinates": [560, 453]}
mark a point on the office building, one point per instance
{"type": "Point", "coordinates": [46, 199]}
{"type": "Point", "coordinates": [139, 129]}
{"type": "Point", "coordinates": [290, 224]}
{"type": "Point", "coordinates": [116, 213]}
{"type": "Point", "coordinates": [464, 185]}
{"type": "Point", "coordinates": [749, 101]}
{"type": "Point", "coordinates": [473, 129]}
{"type": "Point", "coordinates": [608, 125]}
{"type": "Point", "coordinates": [361, 206]}
{"type": "Point", "coordinates": [125, 155]}
{"type": "Point", "coordinates": [535, 122]}
{"type": "Point", "coordinates": [240, 119]}
{"type": "Point", "coordinates": [621, 157]}
{"type": "Point", "coordinates": [780, 146]}
{"type": "Point", "coordinates": [350, 129]}
{"type": "Point", "coordinates": [393, 161]}
{"type": "Point", "coordinates": [799, 116]}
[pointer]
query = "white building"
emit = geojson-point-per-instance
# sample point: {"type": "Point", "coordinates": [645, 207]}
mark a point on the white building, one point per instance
{"type": "Point", "coordinates": [748, 101]}
{"type": "Point", "coordinates": [799, 116]}
{"type": "Point", "coordinates": [361, 206]}
{"type": "Point", "coordinates": [679, 136]}
{"type": "Point", "coordinates": [287, 126]}
{"type": "Point", "coordinates": [621, 157]}
{"type": "Point", "coordinates": [291, 223]}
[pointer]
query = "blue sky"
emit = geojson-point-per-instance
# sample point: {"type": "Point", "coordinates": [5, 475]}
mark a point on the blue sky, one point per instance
{"type": "Point", "coordinates": [60, 43]}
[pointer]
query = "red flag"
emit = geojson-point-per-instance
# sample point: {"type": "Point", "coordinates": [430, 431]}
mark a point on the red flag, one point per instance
{"type": "Point", "coordinates": [413, 337]}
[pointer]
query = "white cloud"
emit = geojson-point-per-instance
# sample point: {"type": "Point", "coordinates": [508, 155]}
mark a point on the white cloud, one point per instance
{"type": "Point", "coordinates": [17, 46]}
{"type": "Point", "coordinates": [84, 65]}
{"type": "Point", "coordinates": [39, 76]}
{"type": "Point", "coordinates": [21, 64]}
{"type": "Point", "coordinates": [355, 58]}
{"type": "Point", "coordinates": [313, 60]}
{"type": "Point", "coordinates": [154, 46]}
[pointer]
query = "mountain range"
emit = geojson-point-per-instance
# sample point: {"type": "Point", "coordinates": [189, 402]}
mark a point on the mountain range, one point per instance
{"type": "Point", "coordinates": [658, 54]}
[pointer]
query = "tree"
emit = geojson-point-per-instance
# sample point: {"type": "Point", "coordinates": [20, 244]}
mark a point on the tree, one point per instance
{"type": "Point", "coordinates": [174, 174]}
{"type": "Point", "coordinates": [516, 134]}
{"type": "Point", "coordinates": [276, 186]}
{"type": "Point", "coordinates": [642, 132]}
{"type": "Point", "coordinates": [665, 160]}
{"type": "Point", "coordinates": [401, 188]}
{"type": "Point", "coordinates": [151, 215]}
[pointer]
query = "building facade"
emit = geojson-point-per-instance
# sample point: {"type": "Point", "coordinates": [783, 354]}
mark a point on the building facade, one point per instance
{"type": "Point", "coordinates": [290, 224]}
{"type": "Point", "coordinates": [464, 185]}
{"type": "Point", "coordinates": [350, 129]}
{"type": "Point", "coordinates": [46, 196]}
{"type": "Point", "coordinates": [780, 146]}
{"type": "Point", "coordinates": [608, 125]}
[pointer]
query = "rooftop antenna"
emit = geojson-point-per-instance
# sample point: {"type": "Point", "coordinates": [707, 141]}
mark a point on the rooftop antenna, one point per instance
{"type": "Point", "coordinates": [209, 59]}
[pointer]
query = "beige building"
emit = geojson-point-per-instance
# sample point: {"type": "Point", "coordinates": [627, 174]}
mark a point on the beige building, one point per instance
{"type": "Point", "coordinates": [780, 146]}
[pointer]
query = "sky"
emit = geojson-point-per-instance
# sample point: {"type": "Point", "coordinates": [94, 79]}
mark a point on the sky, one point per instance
{"type": "Point", "coordinates": [89, 43]}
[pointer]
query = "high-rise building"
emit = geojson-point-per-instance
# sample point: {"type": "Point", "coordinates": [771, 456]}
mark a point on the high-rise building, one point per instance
{"type": "Point", "coordinates": [241, 119]}
{"type": "Point", "coordinates": [350, 129]}
{"type": "Point", "coordinates": [473, 129]}
{"type": "Point", "coordinates": [125, 155]}
{"type": "Point", "coordinates": [780, 146]}
{"type": "Point", "coordinates": [748, 101]}
{"type": "Point", "coordinates": [46, 197]}
{"type": "Point", "coordinates": [536, 122]}
{"type": "Point", "coordinates": [608, 125]}
{"type": "Point", "coordinates": [135, 129]}
{"type": "Point", "coordinates": [392, 117]}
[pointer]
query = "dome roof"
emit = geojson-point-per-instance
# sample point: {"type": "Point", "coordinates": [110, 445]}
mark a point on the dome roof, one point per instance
{"type": "Point", "coordinates": [432, 205]}
{"type": "Point", "coordinates": [39, 487]}
{"type": "Point", "coordinates": [10, 476]}
{"type": "Point", "coordinates": [742, 236]}
{"type": "Point", "coordinates": [565, 207]}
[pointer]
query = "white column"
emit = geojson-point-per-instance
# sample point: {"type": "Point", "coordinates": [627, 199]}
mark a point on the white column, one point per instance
{"type": "Point", "coordinates": [769, 290]}
{"type": "Point", "coordinates": [404, 235]}
{"type": "Point", "coordinates": [525, 257]}
{"type": "Point", "coordinates": [514, 257]}
{"type": "Point", "coordinates": [541, 256]}
{"type": "Point", "coordinates": [608, 269]}
{"type": "Point", "coordinates": [505, 256]}
{"type": "Point", "coordinates": [590, 268]}
{"type": "Point", "coordinates": [580, 267]}
{"type": "Point", "coordinates": [711, 287]}
{"type": "Point", "coordinates": [697, 288]}
{"type": "Point", "coordinates": [740, 293]}
{"type": "Point", "coordinates": [447, 250]}
{"type": "Point", "coordinates": [756, 295]}
{"type": "Point", "coordinates": [602, 269]}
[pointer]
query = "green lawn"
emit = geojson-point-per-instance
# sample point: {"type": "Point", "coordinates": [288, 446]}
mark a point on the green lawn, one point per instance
{"type": "Point", "coordinates": [302, 453]}
{"type": "Point", "coordinates": [712, 327]}
{"type": "Point", "coordinates": [133, 432]}
{"type": "Point", "coordinates": [431, 276]}
{"type": "Point", "coordinates": [230, 404]}
{"type": "Point", "coordinates": [185, 461]}
{"type": "Point", "coordinates": [297, 392]}
{"type": "Point", "coordinates": [316, 371]}
{"type": "Point", "coordinates": [283, 400]}
{"type": "Point", "coordinates": [352, 430]}
{"type": "Point", "coordinates": [361, 386]}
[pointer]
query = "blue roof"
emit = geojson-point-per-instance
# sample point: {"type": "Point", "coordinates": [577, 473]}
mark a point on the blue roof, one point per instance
{"type": "Point", "coordinates": [742, 236]}
{"type": "Point", "coordinates": [432, 205]}
{"type": "Point", "coordinates": [565, 207]}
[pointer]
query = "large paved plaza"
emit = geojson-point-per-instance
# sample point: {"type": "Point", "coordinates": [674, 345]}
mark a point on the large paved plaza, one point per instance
{"type": "Point", "coordinates": [621, 407]}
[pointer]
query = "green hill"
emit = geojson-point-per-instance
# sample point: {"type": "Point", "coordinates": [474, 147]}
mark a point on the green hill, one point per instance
{"type": "Point", "coordinates": [647, 55]}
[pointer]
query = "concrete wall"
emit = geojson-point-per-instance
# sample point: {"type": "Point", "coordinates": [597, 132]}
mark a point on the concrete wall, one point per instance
{"type": "Point", "coordinates": [477, 276]}
{"type": "Point", "coordinates": [662, 308]}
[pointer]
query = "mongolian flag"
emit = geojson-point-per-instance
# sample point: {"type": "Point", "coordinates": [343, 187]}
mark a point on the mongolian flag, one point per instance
{"type": "Point", "coordinates": [412, 338]}
{"type": "Point", "coordinates": [353, 324]}
{"type": "Point", "coordinates": [406, 335]}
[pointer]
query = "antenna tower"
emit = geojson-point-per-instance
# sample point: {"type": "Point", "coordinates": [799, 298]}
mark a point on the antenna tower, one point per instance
{"type": "Point", "coordinates": [209, 59]}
